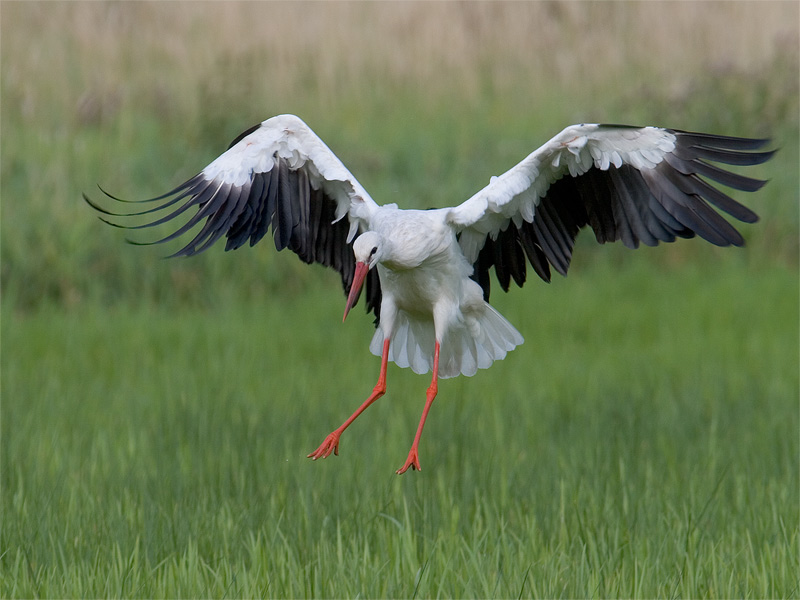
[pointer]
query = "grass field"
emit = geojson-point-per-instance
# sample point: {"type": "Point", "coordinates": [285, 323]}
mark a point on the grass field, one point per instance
{"type": "Point", "coordinates": [648, 453]}
{"type": "Point", "coordinates": [156, 415]}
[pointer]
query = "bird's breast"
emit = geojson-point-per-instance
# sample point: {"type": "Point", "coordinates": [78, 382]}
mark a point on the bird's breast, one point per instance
{"type": "Point", "coordinates": [413, 237]}
{"type": "Point", "coordinates": [436, 279]}
{"type": "Point", "coordinates": [422, 264]}
{"type": "Point", "coordinates": [412, 290]}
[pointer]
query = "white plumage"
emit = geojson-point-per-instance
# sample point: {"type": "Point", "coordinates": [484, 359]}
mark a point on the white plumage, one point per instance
{"type": "Point", "coordinates": [427, 295]}
{"type": "Point", "coordinates": [427, 272]}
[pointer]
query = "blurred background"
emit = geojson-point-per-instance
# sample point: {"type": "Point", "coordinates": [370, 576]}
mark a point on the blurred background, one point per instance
{"type": "Point", "coordinates": [156, 414]}
{"type": "Point", "coordinates": [422, 101]}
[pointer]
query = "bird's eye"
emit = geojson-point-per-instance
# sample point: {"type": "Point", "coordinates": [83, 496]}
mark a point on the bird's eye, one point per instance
{"type": "Point", "coordinates": [373, 251]}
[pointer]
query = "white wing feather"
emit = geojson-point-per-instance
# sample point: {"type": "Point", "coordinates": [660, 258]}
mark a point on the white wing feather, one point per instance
{"type": "Point", "coordinates": [515, 194]}
{"type": "Point", "coordinates": [291, 139]}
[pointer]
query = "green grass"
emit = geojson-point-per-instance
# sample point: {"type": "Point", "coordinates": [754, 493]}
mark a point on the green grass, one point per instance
{"type": "Point", "coordinates": [641, 443]}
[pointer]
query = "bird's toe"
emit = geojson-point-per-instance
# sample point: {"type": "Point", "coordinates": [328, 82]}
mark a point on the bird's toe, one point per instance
{"type": "Point", "coordinates": [330, 445]}
{"type": "Point", "coordinates": [412, 462]}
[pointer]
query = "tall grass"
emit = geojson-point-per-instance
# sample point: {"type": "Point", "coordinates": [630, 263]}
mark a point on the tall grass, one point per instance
{"type": "Point", "coordinates": [424, 102]}
{"type": "Point", "coordinates": [642, 443]}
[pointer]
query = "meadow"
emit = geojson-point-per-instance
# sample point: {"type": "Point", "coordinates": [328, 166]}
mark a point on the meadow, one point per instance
{"type": "Point", "coordinates": [155, 415]}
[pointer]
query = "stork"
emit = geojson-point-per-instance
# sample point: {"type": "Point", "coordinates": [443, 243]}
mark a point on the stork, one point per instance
{"type": "Point", "coordinates": [427, 271]}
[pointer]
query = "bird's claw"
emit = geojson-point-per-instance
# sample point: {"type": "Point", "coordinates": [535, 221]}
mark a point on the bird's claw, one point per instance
{"type": "Point", "coordinates": [412, 461]}
{"type": "Point", "coordinates": [331, 444]}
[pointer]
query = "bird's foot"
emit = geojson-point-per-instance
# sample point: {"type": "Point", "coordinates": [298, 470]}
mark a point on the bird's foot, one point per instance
{"type": "Point", "coordinates": [412, 461]}
{"type": "Point", "coordinates": [331, 444]}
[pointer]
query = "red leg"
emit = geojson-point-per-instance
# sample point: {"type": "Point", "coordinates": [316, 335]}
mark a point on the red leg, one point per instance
{"type": "Point", "coordinates": [413, 454]}
{"type": "Point", "coordinates": [331, 443]}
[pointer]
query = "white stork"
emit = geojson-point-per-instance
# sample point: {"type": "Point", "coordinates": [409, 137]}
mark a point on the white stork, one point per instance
{"type": "Point", "coordinates": [427, 271]}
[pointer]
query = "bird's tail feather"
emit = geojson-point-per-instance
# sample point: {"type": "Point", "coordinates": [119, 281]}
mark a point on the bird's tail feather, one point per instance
{"type": "Point", "coordinates": [464, 350]}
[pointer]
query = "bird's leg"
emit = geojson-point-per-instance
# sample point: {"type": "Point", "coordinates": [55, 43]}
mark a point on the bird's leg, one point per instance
{"type": "Point", "coordinates": [413, 454]}
{"type": "Point", "coordinates": [331, 443]}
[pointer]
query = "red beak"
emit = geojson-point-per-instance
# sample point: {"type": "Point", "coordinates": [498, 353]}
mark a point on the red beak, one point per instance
{"type": "Point", "coordinates": [355, 289]}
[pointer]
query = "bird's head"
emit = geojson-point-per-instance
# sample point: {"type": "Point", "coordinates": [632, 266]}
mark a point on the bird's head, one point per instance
{"type": "Point", "coordinates": [368, 251]}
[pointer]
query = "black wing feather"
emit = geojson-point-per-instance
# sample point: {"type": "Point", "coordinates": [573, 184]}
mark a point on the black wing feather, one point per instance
{"type": "Point", "coordinates": [660, 204]}
{"type": "Point", "coordinates": [301, 218]}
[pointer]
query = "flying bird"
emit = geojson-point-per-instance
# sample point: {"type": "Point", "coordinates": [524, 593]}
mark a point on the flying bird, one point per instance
{"type": "Point", "coordinates": [426, 272]}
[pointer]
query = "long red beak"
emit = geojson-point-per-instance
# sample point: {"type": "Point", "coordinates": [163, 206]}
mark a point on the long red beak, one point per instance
{"type": "Point", "coordinates": [355, 289]}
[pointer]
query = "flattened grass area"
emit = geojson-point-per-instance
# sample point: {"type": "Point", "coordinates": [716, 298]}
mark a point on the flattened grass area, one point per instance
{"type": "Point", "coordinates": [641, 443]}
{"type": "Point", "coordinates": [155, 415]}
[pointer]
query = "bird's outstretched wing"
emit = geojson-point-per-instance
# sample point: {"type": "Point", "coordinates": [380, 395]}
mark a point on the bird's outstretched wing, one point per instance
{"type": "Point", "coordinates": [278, 174]}
{"type": "Point", "coordinates": [635, 184]}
